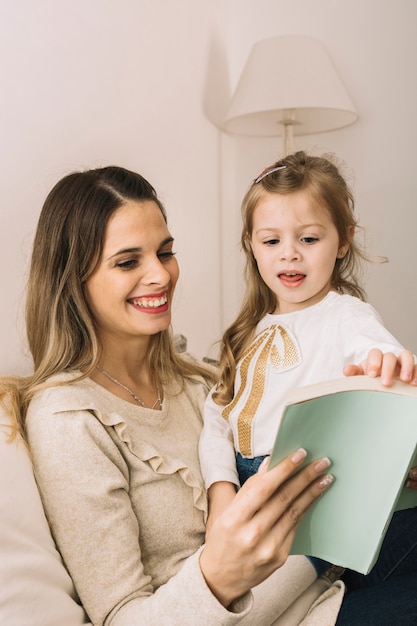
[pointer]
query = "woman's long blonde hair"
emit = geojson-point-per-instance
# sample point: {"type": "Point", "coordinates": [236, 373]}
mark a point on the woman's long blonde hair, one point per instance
{"type": "Point", "coordinates": [67, 248]}
{"type": "Point", "coordinates": [321, 179]}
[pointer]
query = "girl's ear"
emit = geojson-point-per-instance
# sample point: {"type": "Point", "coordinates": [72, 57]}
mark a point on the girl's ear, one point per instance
{"type": "Point", "coordinates": [342, 251]}
{"type": "Point", "coordinates": [346, 245]}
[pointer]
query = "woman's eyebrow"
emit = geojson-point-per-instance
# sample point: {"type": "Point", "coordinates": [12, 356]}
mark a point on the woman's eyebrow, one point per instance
{"type": "Point", "coordinates": [138, 249]}
{"type": "Point", "coordinates": [126, 251]}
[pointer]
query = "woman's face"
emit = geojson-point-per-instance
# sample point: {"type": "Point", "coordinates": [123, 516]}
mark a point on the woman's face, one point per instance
{"type": "Point", "coordinates": [130, 292]}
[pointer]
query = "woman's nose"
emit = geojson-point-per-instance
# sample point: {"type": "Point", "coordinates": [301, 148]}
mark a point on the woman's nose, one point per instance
{"type": "Point", "coordinates": [156, 273]}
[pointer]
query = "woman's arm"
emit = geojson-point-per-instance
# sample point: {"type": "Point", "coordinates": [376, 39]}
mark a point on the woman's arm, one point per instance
{"type": "Point", "coordinates": [253, 537]}
{"type": "Point", "coordinates": [85, 489]}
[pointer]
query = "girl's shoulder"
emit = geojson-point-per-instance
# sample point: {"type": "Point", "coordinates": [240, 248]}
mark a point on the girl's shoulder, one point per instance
{"type": "Point", "coordinates": [348, 304]}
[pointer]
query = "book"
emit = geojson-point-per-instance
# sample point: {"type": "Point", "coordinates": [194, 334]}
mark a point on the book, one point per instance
{"type": "Point", "coordinates": [370, 434]}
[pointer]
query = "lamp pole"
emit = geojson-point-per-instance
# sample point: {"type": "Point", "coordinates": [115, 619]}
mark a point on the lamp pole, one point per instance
{"type": "Point", "coordinates": [288, 121]}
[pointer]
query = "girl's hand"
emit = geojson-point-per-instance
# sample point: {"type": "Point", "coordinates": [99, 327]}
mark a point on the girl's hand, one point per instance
{"type": "Point", "coordinates": [253, 536]}
{"type": "Point", "coordinates": [388, 366]}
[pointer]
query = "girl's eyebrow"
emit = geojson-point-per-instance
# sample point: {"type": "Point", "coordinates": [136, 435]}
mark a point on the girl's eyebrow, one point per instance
{"type": "Point", "coordinates": [138, 250]}
{"type": "Point", "coordinates": [273, 229]}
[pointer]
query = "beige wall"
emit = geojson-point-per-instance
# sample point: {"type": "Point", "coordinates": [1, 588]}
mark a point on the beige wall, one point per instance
{"type": "Point", "coordinates": [373, 46]}
{"type": "Point", "coordinates": [140, 82]}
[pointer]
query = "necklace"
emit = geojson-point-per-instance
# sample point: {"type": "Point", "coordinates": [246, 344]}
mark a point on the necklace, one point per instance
{"type": "Point", "coordinates": [134, 396]}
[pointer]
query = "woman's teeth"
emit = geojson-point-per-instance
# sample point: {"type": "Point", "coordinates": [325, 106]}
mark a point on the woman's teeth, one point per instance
{"type": "Point", "coordinates": [150, 303]}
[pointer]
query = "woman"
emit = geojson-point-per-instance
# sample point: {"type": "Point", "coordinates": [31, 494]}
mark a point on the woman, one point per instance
{"type": "Point", "coordinates": [113, 417]}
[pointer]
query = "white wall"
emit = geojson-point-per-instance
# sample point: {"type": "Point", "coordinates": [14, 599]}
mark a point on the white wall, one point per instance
{"type": "Point", "coordinates": [139, 82]}
{"type": "Point", "coordinates": [88, 83]}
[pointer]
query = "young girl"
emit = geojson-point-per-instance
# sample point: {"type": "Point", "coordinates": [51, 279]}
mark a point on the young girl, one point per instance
{"type": "Point", "coordinates": [303, 319]}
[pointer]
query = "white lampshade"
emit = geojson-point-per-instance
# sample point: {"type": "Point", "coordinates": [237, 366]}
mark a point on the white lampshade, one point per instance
{"type": "Point", "coordinates": [289, 81]}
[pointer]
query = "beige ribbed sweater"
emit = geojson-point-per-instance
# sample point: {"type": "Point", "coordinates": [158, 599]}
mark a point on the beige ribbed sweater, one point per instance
{"type": "Point", "coordinates": [122, 489]}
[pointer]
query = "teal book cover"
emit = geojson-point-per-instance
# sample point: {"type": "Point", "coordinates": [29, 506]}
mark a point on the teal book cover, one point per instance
{"type": "Point", "coordinates": [370, 434]}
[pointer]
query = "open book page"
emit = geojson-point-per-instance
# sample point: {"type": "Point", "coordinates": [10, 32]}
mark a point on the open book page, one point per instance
{"type": "Point", "coordinates": [370, 434]}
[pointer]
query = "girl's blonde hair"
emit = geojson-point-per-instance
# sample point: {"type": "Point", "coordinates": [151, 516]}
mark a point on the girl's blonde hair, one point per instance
{"type": "Point", "coordinates": [320, 178]}
{"type": "Point", "coordinates": [67, 248]}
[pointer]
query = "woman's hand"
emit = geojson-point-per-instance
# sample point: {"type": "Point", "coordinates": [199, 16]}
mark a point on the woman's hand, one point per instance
{"type": "Point", "coordinates": [253, 537]}
{"type": "Point", "coordinates": [388, 366]}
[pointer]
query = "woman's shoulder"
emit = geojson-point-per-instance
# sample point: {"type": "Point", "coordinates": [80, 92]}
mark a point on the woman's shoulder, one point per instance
{"type": "Point", "coordinates": [67, 391]}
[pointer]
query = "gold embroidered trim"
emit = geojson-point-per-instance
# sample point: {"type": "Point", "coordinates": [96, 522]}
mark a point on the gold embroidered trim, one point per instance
{"type": "Point", "coordinates": [280, 359]}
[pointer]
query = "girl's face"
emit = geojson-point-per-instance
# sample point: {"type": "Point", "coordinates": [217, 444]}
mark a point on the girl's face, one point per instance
{"type": "Point", "coordinates": [295, 244]}
{"type": "Point", "coordinates": [130, 292]}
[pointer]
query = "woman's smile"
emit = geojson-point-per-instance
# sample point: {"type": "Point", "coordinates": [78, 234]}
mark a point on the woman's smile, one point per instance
{"type": "Point", "coordinates": [157, 303]}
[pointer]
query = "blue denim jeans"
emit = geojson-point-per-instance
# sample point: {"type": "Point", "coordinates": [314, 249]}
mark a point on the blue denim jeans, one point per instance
{"type": "Point", "coordinates": [387, 596]}
{"type": "Point", "coordinates": [247, 467]}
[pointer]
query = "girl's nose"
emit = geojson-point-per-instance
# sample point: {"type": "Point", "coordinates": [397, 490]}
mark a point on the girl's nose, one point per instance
{"type": "Point", "coordinates": [289, 251]}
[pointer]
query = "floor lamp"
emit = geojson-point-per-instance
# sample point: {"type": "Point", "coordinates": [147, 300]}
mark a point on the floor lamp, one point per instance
{"type": "Point", "coordinates": [289, 87]}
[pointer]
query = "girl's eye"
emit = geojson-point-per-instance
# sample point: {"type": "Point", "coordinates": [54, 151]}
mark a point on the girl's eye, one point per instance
{"type": "Point", "coordinates": [166, 256]}
{"type": "Point", "coordinates": [309, 240]}
{"type": "Point", "coordinates": [271, 242]}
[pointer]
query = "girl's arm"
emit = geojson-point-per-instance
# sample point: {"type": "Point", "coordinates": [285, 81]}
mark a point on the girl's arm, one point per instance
{"type": "Point", "coordinates": [389, 366]}
{"type": "Point", "coordinates": [220, 495]}
{"type": "Point", "coordinates": [217, 452]}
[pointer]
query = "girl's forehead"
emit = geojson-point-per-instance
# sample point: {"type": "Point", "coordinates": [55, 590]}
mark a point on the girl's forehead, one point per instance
{"type": "Point", "coordinates": [296, 202]}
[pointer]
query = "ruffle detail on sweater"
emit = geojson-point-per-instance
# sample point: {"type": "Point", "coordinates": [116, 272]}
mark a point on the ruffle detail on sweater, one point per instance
{"type": "Point", "coordinates": [105, 407]}
{"type": "Point", "coordinates": [160, 465]}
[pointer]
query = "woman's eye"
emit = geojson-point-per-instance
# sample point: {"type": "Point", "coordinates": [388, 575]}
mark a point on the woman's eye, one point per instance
{"type": "Point", "coordinates": [309, 240]}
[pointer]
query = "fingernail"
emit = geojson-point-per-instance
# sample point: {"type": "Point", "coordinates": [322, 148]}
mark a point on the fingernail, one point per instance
{"type": "Point", "coordinates": [299, 455]}
{"type": "Point", "coordinates": [325, 481]}
{"type": "Point", "coordinates": [322, 464]}
{"type": "Point", "coordinates": [386, 381]}
{"type": "Point", "coordinates": [264, 464]}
